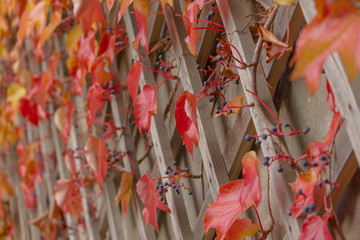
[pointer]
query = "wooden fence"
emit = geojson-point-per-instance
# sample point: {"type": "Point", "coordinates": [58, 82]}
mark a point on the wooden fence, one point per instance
{"type": "Point", "coordinates": [222, 143]}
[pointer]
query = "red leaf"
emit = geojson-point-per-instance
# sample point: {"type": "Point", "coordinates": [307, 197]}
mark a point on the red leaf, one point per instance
{"type": "Point", "coordinates": [141, 9]}
{"type": "Point", "coordinates": [144, 107]}
{"type": "Point", "coordinates": [235, 197]}
{"type": "Point", "coordinates": [241, 228]}
{"type": "Point", "coordinates": [315, 228]}
{"type": "Point", "coordinates": [67, 197]}
{"type": "Point", "coordinates": [306, 182]}
{"type": "Point", "coordinates": [88, 12]}
{"type": "Point", "coordinates": [95, 153]}
{"type": "Point", "coordinates": [190, 11]}
{"type": "Point", "coordinates": [98, 75]}
{"type": "Point", "coordinates": [186, 123]}
{"type": "Point", "coordinates": [124, 193]}
{"type": "Point", "coordinates": [148, 194]}
{"type": "Point", "coordinates": [107, 47]}
{"type": "Point", "coordinates": [28, 110]}
{"type": "Point", "coordinates": [95, 101]}
{"type": "Point", "coordinates": [335, 29]}
{"type": "Point", "coordinates": [330, 97]}
{"type": "Point", "coordinates": [133, 79]}
{"type": "Point", "coordinates": [70, 163]}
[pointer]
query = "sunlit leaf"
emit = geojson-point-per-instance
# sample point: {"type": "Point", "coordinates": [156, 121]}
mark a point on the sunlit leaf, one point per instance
{"type": "Point", "coordinates": [316, 228]}
{"type": "Point", "coordinates": [124, 192]}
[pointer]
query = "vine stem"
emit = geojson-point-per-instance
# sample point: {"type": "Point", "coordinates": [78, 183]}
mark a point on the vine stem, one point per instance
{"type": "Point", "coordinates": [258, 217]}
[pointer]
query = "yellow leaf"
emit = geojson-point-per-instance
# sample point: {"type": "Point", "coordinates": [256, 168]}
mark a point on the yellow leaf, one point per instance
{"type": "Point", "coordinates": [60, 118]}
{"type": "Point", "coordinates": [49, 29]}
{"type": "Point", "coordinates": [285, 2]}
{"type": "Point", "coordinates": [73, 38]}
{"type": "Point", "coordinates": [14, 93]}
{"type": "Point", "coordinates": [125, 191]}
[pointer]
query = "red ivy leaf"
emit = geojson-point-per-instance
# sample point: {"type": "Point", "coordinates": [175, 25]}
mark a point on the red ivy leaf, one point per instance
{"type": "Point", "coordinates": [70, 163]}
{"type": "Point", "coordinates": [95, 101]}
{"type": "Point", "coordinates": [133, 79]}
{"type": "Point", "coordinates": [315, 228]}
{"type": "Point", "coordinates": [335, 29]}
{"type": "Point", "coordinates": [124, 193]}
{"type": "Point", "coordinates": [235, 197]}
{"type": "Point", "coordinates": [95, 153]}
{"type": "Point", "coordinates": [330, 97]}
{"type": "Point", "coordinates": [28, 110]}
{"type": "Point", "coordinates": [186, 122]}
{"type": "Point", "coordinates": [141, 9]}
{"type": "Point", "coordinates": [62, 118]}
{"type": "Point", "coordinates": [148, 194]}
{"type": "Point", "coordinates": [67, 197]}
{"type": "Point", "coordinates": [241, 228]}
{"type": "Point", "coordinates": [88, 12]}
{"type": "Point", "coordinates": [306, 182]}
{"type": "Point", "coordinates": [107, 47]}
{"type": "Point", "coordinates": [191, 9]}
{"type": "Point", "coordinates": [144, 107]}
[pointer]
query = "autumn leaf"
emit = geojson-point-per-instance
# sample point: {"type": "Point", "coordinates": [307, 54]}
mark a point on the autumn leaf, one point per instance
{"type": "Point", "coordinates": [69, 159]}
{"type": "Point", "coordinates": [186, 122]}
{"type": "Point", "coordinates": [98, 75]}
{"type": "Point", "coordinates": [46, 225]}
{"type": "Point", "coordinates": [133, 79]}
{"type": "Point", "coordinates": [87, 12]}
{"type": "Point", "coordinates": [95, 153]}
{"type": "Point", "coordinates": [148, 194]}
{"type": "Point", "coordinates": [29, 110]}
{"type": "Point", "coordinates": [190, 24]}
{"type": "Point", "coordinates": [49, 29]}
{"type": "Point", "coordinates": [303, 188]}
{"type": "Point", "coordinates": [234, 104]}
{"type": "Point", "coordinates": [124, 192]}
{"type": "Point", "coordinates": [272, 44]}
{"type": "Point", "coordinates": [285, 2]}
{"type": "Point", "coordinates": [5, 187]}
{"type": "Point", "coordinates": [316, 228]}
{"type": "Point", "coordinates": [141, 9]}
{"type": "Point", "coordinates": [107, 47]}
{"type": "Point", "coordinates": [73, 38]}
{"type": "Point", "coordinates": [14, 93]}
{"type": "Point", "coordinates": [144, 107]}
{"type": "Point", "coordinates": [163, 2]}
{"type": "Point", "coordinates": [241, 228]}
{"type": "Point", "coordinates": [333, 30]}
{"type": "Point", "coordinates": [124, 4]}
{"type": "Point", "coordinates": [95, 101]}
{"type": "Point", "coordinates": [68, 198]}
{"type": "Point", "coordinates": [62, 118]}
{"type": "Point", "coordinates": [235, 197]}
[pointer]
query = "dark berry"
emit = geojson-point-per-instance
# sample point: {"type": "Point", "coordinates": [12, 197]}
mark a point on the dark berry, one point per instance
{"type": "Point", "coordinates": [257, 142]}
{"type": "Point", "coordinates": [289, 213]}
{"type": "Point", "coordinates": [157, 63]}
{"type": "Point", "coordinates": [208, 17]}
{"type": "Point", "coordinates": [187, 169]}
{"type": "Point", "coordinates": [160, 56]}
{"type": "Point", "coordinates": [211, 99]}
{"type": "Point", "coordinates": [223, 78]}
{"type": "Point", "coordinates": [248, 137]}
{"type": "Point", "coordinates": [299, 191]}
{"type": "Point", "coordinates": [164, 202]}
{"type": "Point", "coordinates": [220, 58]}
{"type": "Point", "coordinates": [229, 110]}
{"type": "Point", "coordinates": [212, 13]}
{"type": "Point", "coordinates": [197, 66]}
{"type": "Point", "coordinates": [314, 164]}
{"type": "Point", "coordinates": [306, 209]}
{"type": "Point", "coordinates": [319, 184]}
{"type": "Point", "coordinates": [166, 183]}
{"type": "Point", "coordinates": [326, 180]}
{"type": "Point", "coordinates": [205, 83]}
{"type": "Point", "coordinates": [160, 191]}
{"type": "Point", "coordinates": [190, 193]}
{"type": "Point", "coordinates": [161, 199]}
{"type": "Point", "coordinates": [157, 186]}
{"type": "Point", "coordinates": [132, 62]}
{"type": "Point", "coordinates": [108, 30]}
{"type": "Point", "coordinates": [312, 206]}
{"type": "Point", "coordinates": [265, 161]}
{"type": "Point", "coordinates": [224, 103]}
{"type": "Point", "coordinates": [161, 67]}
{"type": "Point", "coordinates": [217, 111]}
{"type": "Point", "coordinates": [237, 82]}
{"type": "Point", "coordinates": [174, 162]}
{"type": "Point", "coordinates": [280, 169]}
{"type": "Point", "coordinates": [323, 157]}
{"type": "Point", "coordinates": [166, 172]}
{"type": "Point", "coordinates": [175, 173]}
{"type": "Point", "coordinates": [264, 136]}
{"type": "Point", "coordinates": [306, 130]}
{"type": "Point", "coordinates": [333, 187]}
{"type": "Point", "coordinates": [219, 46]}
{"type": "Point", "coordinates": [167, 38]}
{"type": "Point", "coordinates": [273, 129]}
{"type": "Point", "coordinates": [168, 167]}
{"type": "Point", "coordinates": [305, 163]}
{"type": "Point", "coordinates": [212, 4]}
{"type": "Point", "coordinates": [166, 70]}
{"type": "Point", "coordinates": [286, 125]}
{"type": "Point", "coordinates": [173, 186]}
{"type": "Point", "coordinates": [161, 186]}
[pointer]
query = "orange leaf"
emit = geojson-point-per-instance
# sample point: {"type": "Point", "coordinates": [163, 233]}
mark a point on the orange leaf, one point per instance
{"type": "Point", "coordinates": [87, 12]}
{"type": "Point", "coordinates": [235, 197]}
{"type": "Point", "coordinates": [272, 44]}
{"type": "Point", "coordinates": [124, 4]}
{"type": "Point", "coordinates": [241, 228]}
{"type": "Point", "coordinates": [234, 104]}
{"type": "Point", "coordinates": [333, 30]}
{"type": "Point", "coordinates": [124, 192]}
{"type": "Point", "coordinates": [95, 153]}
{"type": "Point", "coordinates": [62, 117]}
{"type": "Point", "coordinates": [49, 29]}
{"type": "Point", "coordinates": [95, 101]}
{"type": "Point", "coordinates": [141, 9]}
{"type": "Point", "coordinates": [5, 186]}
{"type": "Point", "coordinates": [163, 2]}
{"type": "Point", "coordinates": [67, 197]}
{"type": "Point", "coordinates": [73, 38]}
{"type": "Point", "coordinates": [186, 122]}
{"type": "Point", "coordinates": [144, 107]}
